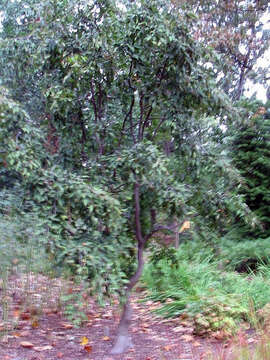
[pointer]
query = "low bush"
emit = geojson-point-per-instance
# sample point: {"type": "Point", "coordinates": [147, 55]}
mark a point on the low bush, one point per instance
{"type": "Point", "coordinates": [210, 300]}
{"type": "Point", "coordinates": [245, 256]}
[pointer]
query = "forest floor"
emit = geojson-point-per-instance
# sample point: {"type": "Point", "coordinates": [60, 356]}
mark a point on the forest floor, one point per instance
{"type": "Point", "coordinates": [40, 331]}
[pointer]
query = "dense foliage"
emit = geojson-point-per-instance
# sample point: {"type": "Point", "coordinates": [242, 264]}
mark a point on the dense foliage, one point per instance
{"type": "Point", "coordinates": [251, 154]}
{"type": "Point", "coordinates": [110, 101]}
{"type": "Point", "coordinates": [112, 129]}
{"type": "Point", "coordinates": [206, 299]}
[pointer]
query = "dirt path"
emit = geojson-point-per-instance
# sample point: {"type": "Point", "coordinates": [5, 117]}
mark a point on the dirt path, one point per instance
{"type": "Point", "coordinates": [54, 338]}
{"type": "Point", "coordinates": [49, 336]}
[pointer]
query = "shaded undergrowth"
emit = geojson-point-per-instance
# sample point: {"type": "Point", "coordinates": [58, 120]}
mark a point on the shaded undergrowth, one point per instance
{"type": "Point", "coordinates": [212, 299]}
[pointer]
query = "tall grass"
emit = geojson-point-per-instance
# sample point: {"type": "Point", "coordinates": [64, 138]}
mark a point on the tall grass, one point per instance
{"type": "Point", "coordinates": [199, 289]}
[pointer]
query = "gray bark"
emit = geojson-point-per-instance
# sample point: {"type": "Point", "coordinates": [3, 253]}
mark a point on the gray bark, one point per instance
{"type": "Point", "coordinates": [123, 339]}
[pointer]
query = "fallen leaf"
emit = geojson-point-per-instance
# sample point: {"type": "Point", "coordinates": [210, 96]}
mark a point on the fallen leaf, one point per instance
{"type": "Point", "coordinates": [43, 348]}
{"type": "Point", "coordinates": [59, 355]}
{"type": "Point", "coordinates": [25, 333]}
{"type": "Point", "coordinates": [187, 338]}
{"type": "Point", "coordinates": [106, 338]}
{"type": "Point", "coordinates": [25, 316]}
{"type": "Point", "coordinates": [67, 326]}
{"type": "Point", "coordinates": [168, 347]}
{"type": "Point", "coordinates": [179, 329]}
{"type": "Point", "coordinates": [16, 313]}
{"type": "Point", "coordinates": [88, 348]}
{"type": "Point", "coordinates": [84, 341]}
{"type": "Point", "coordinates": [183, 316]}
{"type": "Point", "coordinates": [34, 324]}
{"type": "Point", "coordinates": [17, 334]}
{"type": "Point", "coordinates": [196, 343]}
{"type": "Point", "coordinates": [145, 330]}
{"type": "Point", "coordinates": [186, 323]}
{"type": "Point", "coordinates": [107, 316]}
{"type": "Point", "coordinates": [144, 325]}
{"type": "Point", "coordinates": [26, 344]}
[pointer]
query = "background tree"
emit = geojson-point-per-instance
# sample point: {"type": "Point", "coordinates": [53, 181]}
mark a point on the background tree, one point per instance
{"type": "Point", "coordinates": [235, 29]}
{"type": "Point", "coordinates": [251, 155]}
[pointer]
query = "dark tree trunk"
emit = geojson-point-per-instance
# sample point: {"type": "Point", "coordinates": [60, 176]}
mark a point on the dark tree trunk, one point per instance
{"type": "Point", "coordinates": [123, 339]}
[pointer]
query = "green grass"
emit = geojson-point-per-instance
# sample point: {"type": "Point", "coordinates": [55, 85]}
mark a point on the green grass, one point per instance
{"type": "Point", "coordinates": [230, 254]}
{"type": "Point", "coordinates": [212, 299]}
{"type": "Point", "coordinates": [242, 255]}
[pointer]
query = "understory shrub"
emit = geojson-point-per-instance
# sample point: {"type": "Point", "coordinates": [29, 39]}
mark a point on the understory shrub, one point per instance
{"type": "Point", "coordinates": [241, 256]}
{"type": "Point", "coordinates": [209, 299]}
{"type": "Point", "coordinates": [245, 256]}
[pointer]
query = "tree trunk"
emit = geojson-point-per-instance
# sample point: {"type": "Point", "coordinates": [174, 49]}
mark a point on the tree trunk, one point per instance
{"type": "Point", "coordinates": [176, 234]}
{"type": "Point", "coordinates": [176, 239]}
{"type": "Point", "coordinates": [123, 339]}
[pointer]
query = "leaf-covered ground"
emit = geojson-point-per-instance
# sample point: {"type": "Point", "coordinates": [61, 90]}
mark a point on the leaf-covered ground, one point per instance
{"type": "Point", "coordinates": [43, 332]}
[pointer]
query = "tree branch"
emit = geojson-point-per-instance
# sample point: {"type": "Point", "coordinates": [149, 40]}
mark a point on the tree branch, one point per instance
{"type": "Point", "coordinates": [93, 101]}
{"type": "Point", "coordinates": [146, 120]}
{"type": "Point", "coordinates": [158, 127]}
{"type": "Point", "coordinates": [99, 142]}
{"type": "Point", "coordinates": [128, 114]}
{"type": "Point", "coordinates": [141, 118]}
{"type": "Point", "coordinates": [158, 227]}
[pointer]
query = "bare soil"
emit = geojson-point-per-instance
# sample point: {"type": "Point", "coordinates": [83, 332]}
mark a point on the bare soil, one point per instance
{"type": "Point", "coordinates": [40, 330]}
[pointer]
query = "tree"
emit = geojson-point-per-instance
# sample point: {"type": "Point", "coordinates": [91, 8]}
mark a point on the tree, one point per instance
{"type": "Point", "coordinates": [127, 108]}
{"type": "Point", "coordinates": [251, 155]}
{"type": "Point", "coordinates": [235, 29]}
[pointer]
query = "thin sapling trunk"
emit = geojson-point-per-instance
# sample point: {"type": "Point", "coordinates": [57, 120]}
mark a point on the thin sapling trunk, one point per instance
{"type": "Point", "coordinates": [123, 339]}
